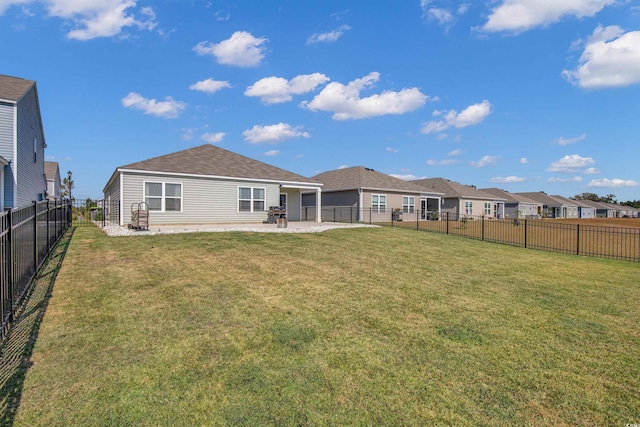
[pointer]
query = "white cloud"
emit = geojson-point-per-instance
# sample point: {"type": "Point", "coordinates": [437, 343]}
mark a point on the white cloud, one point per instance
{"type": "Point", "coordinates": [345, 102]}
{"type": "Point", "coordinates": [275, 90]}
{"type": "Point", "coordinates": [574, 179]}
{"type": "Point", "coordinates": [507, 179]}
{"type": "Point", "coordinates": [472, 115]}
{"type": "Point", "coordinates": [522, 15]}
{"type": "Point", "coordinates": [273, 134]}
{"type": "Point", "coordinates": [242, 50]}
{"type": "Point", "coordinates": [440, 15]}
{"type": "Point", "coordinates": [167, 109]}
{"type": "Point", "coordinates": [91, 19]}
{"type": "Point", "coordinates": [212, 138]}
{"type": "Point", "coordinates": [567, 141]}
{"type": "Point", "coordinates": [443, 162]}
{"type": "Point", "coordinates": [329, 37]}
{"type": "Point", "coordinates": [272, 153]}
{"type": "Point", "coordinates": [209, 85]}
{"type": "Point", "coordinates": [485, 161]}
{"type": "Point", "coordinates": [343, 166]}
{"type": "Point", "coordinates": [570, 164]}
{"type": "Point", "coordinates": [457, 152]}
{"type": "Point", "coordinates": [392, 150]}
{"type": "Point", "coordinates": [611, 58]}
{"type": "Point", "coordinates": [408, 177]}
{"type": "Point", "coordinates": [613, 183]}
{"type": "Point", "coordinates": [524, 160]}
{"type": "Point", "coordinates": [591, 171]}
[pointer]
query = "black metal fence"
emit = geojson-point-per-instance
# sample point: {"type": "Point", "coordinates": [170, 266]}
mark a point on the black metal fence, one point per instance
{"type": "Point", "coordinates": [27, 235]}
{"type": "Point", "coordinates": [91, 213]}
{"type": "Point", "coordinates": [551, 235]}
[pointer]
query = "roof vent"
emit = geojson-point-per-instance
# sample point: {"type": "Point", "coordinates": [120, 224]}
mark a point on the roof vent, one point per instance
{"type": "Point", "coordinates": [369, 169]}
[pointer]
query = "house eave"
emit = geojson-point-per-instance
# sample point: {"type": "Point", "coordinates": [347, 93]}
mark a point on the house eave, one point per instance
{"type": "Point", "coordinates": [297, 184]}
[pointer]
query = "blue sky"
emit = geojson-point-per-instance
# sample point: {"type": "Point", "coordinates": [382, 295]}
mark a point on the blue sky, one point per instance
{"type": "Point", "coordinates": [524, 95]}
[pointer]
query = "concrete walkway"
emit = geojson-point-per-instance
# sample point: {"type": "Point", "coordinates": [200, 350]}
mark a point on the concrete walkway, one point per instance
{"type": "Point", "coordinates": [292, 227]}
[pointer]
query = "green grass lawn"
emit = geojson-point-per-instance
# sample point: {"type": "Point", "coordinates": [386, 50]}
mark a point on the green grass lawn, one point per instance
{"type": "Point", "coordinates": [381, 326]}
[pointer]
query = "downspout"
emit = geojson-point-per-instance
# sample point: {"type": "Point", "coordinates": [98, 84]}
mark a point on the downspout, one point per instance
{"type": "Point", "coordinates": [121, 208]}
{"type": "Point", "coordinates": [360, 205]}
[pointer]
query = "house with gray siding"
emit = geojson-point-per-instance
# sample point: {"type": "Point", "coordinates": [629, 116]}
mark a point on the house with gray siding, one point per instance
{"type": "Point", "coordinates": [372, 196]}
{"type": "Point", "coordinates": [601, 210]}
{"type": "Point", "coordinates": [517, 206]}
{"type": "Point", "coordinates": [22, 144]}
{"type": "Point", "coordinates": [461, 200]}
{"type": "Point", "coordinates": [52, 175]}
{"type": "Point", "coordinates": [554, 207]}
{"type": "Point", "coordinates": [205, 184]}
{"type": "Point", "coordinates": [585, 210]}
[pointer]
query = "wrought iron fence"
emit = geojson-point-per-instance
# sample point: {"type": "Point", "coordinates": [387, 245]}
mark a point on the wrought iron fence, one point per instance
{"type": "Point", "coordinates": [89, 213]}
{"type": "Point", "coordinates": [27, 235]}
{"type": "Point", "coordinates": [551, 235]}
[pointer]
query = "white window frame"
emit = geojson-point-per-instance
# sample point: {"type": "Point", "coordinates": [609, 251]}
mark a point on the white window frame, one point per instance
{"type": "Point", "coordinates": [163, 196]}
{"type": "Point", "coordinates": [379, 207]}
{"type": "Point", "coordinates": [468, 207]}
{"type": "Point", "coordinates": [487, 208]}
{"type": "Point", "coordinates": [252, 200]}
{"type": "Point", "coordinates": [408, 204]}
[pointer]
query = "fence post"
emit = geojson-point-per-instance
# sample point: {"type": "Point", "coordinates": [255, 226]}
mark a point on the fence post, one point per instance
{"type": "Point", "coordinates": [417, 219]}
{"type": "Point", "coordinates": [370, 215]}
{"type": "Point", "coordinates": [35, 235]}
{"type": "Point", "coordinates": [351, 214]}
{"type": "Point", "coordinates": [447, 214]}
{"type": "Point", "coordinates": [48, 235]}
{"type": "Point", "coordinates": [577, 239]}
{"type": "Point", "coordinates": [482, 227]}
{"type": "Point", "coordinates": [525, 233]}
{"type": "Point", "coordinates": [10, 263]}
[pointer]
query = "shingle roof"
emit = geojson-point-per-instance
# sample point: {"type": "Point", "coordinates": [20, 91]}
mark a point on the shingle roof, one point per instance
{"type": "Point", "coordinates": [50, 169]}
{"type": "Point", "coordinates": [13, 88]}
{"type": "Point", "coordinates": [542, 198]}
{"type": "Point", "coordinates": [360, 177]}
{"type": "Point", "coordinates": [564, 200]}
{"type": "Point", "coordinates": [597, 205]}
{"type": "Point", "coordinates": [210, 160]}
{"type": "Point", "coordinates": [454, 189]}
{"type": "Point", "coordinates": [509, 197]}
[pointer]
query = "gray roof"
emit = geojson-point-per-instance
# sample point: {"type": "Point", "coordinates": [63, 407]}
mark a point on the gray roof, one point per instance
{"type": "Point", "coordinates": [582, 204]}
{"type": "Point", "coordinates": [358, 177]}
{"type": "Point", "coordinates": [564, 200]}
{"type": "Point", "coordinates": [50, 169]}
{"type": "Point", "coordinates": [210, 160]}
{"type": "Point", "coordinates": [597, 205]}
{"type": "Point", "coordinates": [13, 88]}
{"type": "Point", "coordinates": [543, 198]}
{"type": "Point", "coordinates": [454, 189]}
{"type": "Point", "coordinates": [510, 197]}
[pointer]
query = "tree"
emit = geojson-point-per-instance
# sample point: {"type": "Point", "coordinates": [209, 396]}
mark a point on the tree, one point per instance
{"type": "Point", "coordinates": [609, 198]}
{"type": "Point", "coordinates": [67, 186]}
{"type": "Point", "coordinates": [632, 203]}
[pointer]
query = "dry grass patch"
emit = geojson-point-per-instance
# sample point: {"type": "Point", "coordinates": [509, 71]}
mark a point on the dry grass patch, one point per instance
{"type": "Point", "coordinates": [364, 326]}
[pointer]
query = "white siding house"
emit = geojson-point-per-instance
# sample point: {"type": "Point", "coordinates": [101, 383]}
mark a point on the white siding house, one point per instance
{"type": "Point", "coordinates": [22, 143]}
{"type": "Point", "coordinates": [204, 184]}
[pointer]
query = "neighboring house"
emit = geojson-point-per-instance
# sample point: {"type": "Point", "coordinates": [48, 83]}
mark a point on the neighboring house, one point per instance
{"type": "Point", "coordinates": [569, 207]}
{"type": "Point", "coordinates": [516, 203]}
{"type": "Point", "coordinates": [621, 211]}
{"type": "Point", "coordinates": [551, 207]}
{"type": "Point", "coordinates": [585, 210]}
{"type": "Point", "coordinates": [372, 195]}
{"type": "Point", "coordinates": [601, 210]}
{"type": "Point", "coordinates": [205, 184]}
{"type": "Point", "coordinates": [22, 143]}
{"type": "Point", "coordinates": [52, 175]}
{"type": "Point", "coordinates": [461, 200]}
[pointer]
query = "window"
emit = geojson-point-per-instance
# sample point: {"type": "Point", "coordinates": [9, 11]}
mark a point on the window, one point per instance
{"type": "Point", "coordinates": [35, 150]}
{"type": "Point", "coordinates": [251, 199]}
{"type": "Point", "coordinates": [378, 203]}
{"type": "Point", "coordinates": [408, 204]}
{"type": "Point", "coordinates": [163, 196]}
{"type": "Point", "coordinates": [468, 208]}
{"type": "Point", "coordinates": [487, 208]}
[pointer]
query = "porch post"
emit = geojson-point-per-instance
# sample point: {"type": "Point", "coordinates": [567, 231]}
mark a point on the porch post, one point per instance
{"type": "Point", "coordinates": [319, 205]}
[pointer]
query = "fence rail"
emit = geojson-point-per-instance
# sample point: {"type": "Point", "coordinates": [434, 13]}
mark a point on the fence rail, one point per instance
{"type": "Point", "coordinates": [27, 235]}
{"type": "Point", "coordinates": [622, 243]}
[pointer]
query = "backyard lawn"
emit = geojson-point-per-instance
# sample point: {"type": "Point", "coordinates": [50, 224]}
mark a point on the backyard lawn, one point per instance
{"type": "Point", "coordinates": [380, 326]}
